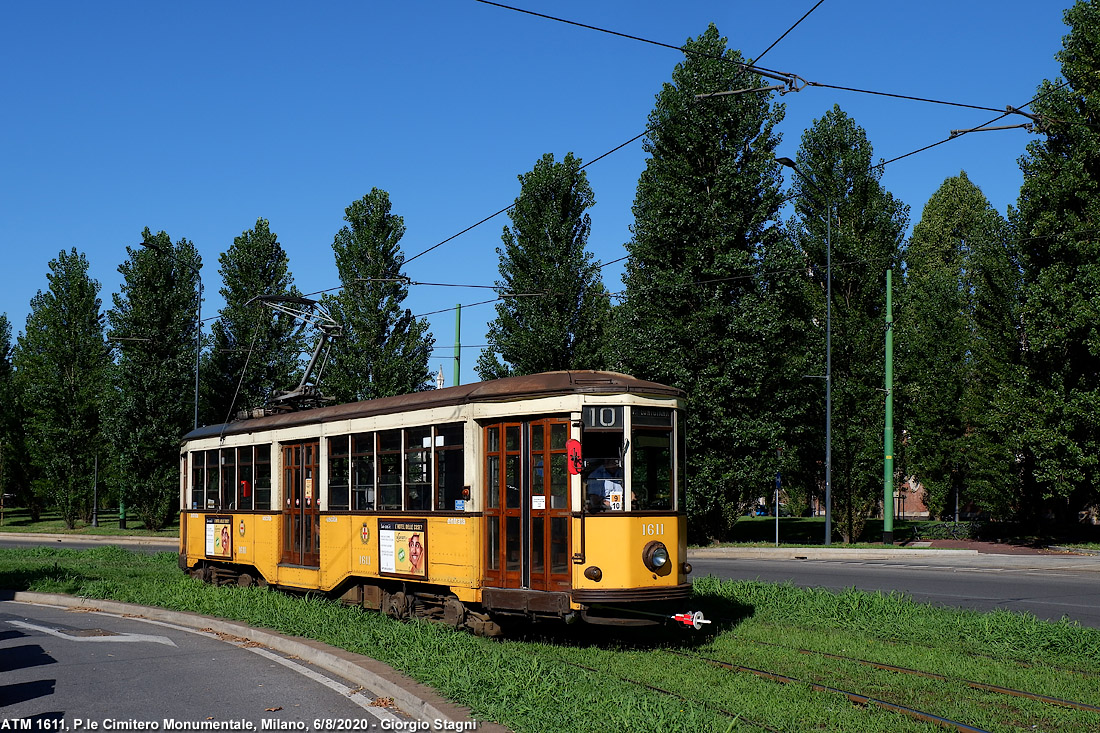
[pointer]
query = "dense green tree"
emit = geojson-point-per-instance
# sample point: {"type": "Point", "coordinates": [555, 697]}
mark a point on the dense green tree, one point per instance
{"type": "Point", "coordinates": [1057, 226]}
{"type": "Point", "coordinates": [61, 369]}
{"type": "Point", "coordinates": [708, 283]}
{"type": "Point", "coordinates": [152, 325]}
{"type": "Point", "coordinates": [383, 350]}
{"type": "Point", "coordinates": [545, 253]}
{"type": "Point", "coordinates": [868, 228]}
{"type": "Point", "coordinates": [254, 350]}
{"type": "Point", "coordinates": [955, 338]}
{"type": "Point", "coordinates": [15, 468]}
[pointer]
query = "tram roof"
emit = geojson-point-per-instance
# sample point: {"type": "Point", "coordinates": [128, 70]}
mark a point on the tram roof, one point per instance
{"type": "Point", "coordinates": [497, 390]}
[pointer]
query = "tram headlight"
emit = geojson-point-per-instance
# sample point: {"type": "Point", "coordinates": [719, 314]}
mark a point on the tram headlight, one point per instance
{"type": "Point", "coordinates": [655, 555]}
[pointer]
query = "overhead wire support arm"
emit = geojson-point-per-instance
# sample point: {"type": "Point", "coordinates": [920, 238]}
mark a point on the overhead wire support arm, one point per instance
{"type": "Point", "coordinates": [1026, 126]}
{"type": "Point", "coordinates": [773, 88]}
{"type": "Point", "coordinates": [308, 312]}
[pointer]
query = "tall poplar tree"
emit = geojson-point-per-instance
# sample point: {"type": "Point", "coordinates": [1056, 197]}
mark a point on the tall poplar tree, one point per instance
{"type": "Point", "coordinates": [15, 468]}
{"type": "Point", "coordinates": [254, 350]}
{"type": "Point", "coordinates": [152, 325]}
{"type": "Point", "coordinates": [956, 337]}
{"type": "Point", "coordinates": [556, 308]}
{"type": "Point", "coordinates": [867, 232]}
{"type": "Point", "coordinates": [383, 350]}
{"type": "Point", "coordinates": [701, 311]}
{"type": "Point", "coordinates": [61, 369]}
{"type": "Point", "coordinates": [1058, 226]}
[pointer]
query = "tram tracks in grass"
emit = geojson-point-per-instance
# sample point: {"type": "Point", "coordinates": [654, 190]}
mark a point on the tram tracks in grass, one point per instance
{"type": "Point", "coordinates": [951, 710]}
{"type": "Point", "coordinates": [975, 685]}
{"type": "Point", "coordinates": [736, 717]}
{"type": "Point", "coordinates": [854, 697]}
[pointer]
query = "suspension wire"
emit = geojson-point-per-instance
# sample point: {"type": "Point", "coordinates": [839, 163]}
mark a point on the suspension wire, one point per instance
{"type": "Point", "coordinates": [949, 138]}
{"type": "Point", "coordinates": [901, 96]}
{"type": "Point", "coordinates": [244, 371]}
{"type": "Point", "coordinates": [647, 40]}
{"type": "Point", "coordinates": [777, 40]}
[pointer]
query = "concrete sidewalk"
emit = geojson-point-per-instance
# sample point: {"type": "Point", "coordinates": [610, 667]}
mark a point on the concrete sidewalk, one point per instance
{"type": "Point", "coordinates": [168, 543]}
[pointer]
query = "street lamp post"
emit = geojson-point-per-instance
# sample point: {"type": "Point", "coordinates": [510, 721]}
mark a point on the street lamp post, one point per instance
{"type": "Point", "coordinates": [828, 348]}
{"type": "Point", "coordinates": [198, 318]}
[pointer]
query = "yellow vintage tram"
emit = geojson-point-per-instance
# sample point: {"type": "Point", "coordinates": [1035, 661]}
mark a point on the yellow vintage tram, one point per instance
{"type": "Point", "coordinates": [550, 496]}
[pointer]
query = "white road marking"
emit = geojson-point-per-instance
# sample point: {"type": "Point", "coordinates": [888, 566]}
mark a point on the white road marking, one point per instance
{"type": "Point", "coordinates": [112, 637]}
{"type": "Point", "coordinates": [355, 697]}
{"type": "Point", "coordinates": [361, 701]}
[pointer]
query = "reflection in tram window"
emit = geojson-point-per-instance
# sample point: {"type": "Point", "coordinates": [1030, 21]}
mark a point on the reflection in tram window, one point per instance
{"type": "Point", "coordinates": [389, 470]}
{"type": "Point", "coordinates": [651, 468]}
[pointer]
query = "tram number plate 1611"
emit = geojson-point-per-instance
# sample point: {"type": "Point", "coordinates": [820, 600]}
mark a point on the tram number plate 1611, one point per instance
{"type": "Point", "coordinates": [653, 529]}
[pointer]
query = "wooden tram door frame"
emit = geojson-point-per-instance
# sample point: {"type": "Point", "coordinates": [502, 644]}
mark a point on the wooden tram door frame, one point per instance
{"type": "Point", "coordinates": [301, 514]}
{"type": "Point", "coordinates": [523, 525]}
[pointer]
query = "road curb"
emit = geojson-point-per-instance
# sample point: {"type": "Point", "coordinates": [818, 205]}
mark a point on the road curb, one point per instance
{"type": "Point", "coordinates": [412, 697]}
{"type": "Point", "coordinates": [822, 553]}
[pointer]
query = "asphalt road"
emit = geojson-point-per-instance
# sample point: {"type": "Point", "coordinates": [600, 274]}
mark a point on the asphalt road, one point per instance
{"type": "Point", "coordinates": [73, 671]}
{"type": "Point", "coordinates": [1049, 588]}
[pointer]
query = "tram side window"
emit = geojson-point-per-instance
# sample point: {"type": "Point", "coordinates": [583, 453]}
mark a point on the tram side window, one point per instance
{"type": "Point", "coordinates": [198, 479]}
{"type": "Point", "coordinates": [229, 479]}
{"type": "Point", "coordinates": [244, 478]}
{"type": "Point", "coordinates": [603, 473]}
{"type": "Point", "coordinates": [651, 468]}
{"type": "Point", "coordinates": [213, 486]}
{"type": "Point", "coordinates": [449, 479]}
{"type": "Point", "coordinates": [262, 485]}
{"type": "Point", "coordinates": [338, 473]}
{"type": "Point", "coordinates": [418, 478]}
{"type": "Point", "coordinates": [362, 472]}
{"type": "Point", "coordinates": [389, 470]}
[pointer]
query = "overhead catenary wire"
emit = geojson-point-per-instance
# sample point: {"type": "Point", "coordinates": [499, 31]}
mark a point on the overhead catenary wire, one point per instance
{"type": "Point", "coordinates": [689, 52]}
{"type": "Point", "coordinates": [647, 130]}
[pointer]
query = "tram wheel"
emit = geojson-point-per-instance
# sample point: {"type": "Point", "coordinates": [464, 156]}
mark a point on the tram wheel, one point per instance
{"type": "Point", "coordinates": [454, 613]}
{"type": "Point", "coordinates": [396, 605]}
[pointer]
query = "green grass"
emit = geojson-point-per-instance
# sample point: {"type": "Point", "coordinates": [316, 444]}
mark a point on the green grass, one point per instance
{"type": "Point", "coordinates": [529, 682]}
{"type": "Point", "coordinates": [18, 520]}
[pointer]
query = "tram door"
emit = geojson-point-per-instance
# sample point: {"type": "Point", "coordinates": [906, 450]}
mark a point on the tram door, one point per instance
{"type": "Point", "coordinates": [527, 505]}
{"type": "Point", "coordinates": [301, 518]}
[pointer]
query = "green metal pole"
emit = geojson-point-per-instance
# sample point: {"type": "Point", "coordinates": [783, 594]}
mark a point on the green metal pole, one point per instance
{"type": "Point", "coordinates": [888, 434]}
{"type": "Point", "coordinates": [458, 345]}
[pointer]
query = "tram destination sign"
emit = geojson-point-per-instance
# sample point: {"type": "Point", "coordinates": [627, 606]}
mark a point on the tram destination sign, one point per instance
{"type": "Point", "coordinates": [658, 416]}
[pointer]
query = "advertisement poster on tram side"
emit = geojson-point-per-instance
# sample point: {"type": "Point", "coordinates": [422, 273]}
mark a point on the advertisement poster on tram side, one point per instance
{"type": "Point", "coordinates": [402, 547]}
{"type": "Point", "coordinates": [219, 537]}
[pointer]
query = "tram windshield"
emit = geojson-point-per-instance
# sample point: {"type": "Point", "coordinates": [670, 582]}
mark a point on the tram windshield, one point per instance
{"type": "Point", "coordinates": [633, 470]}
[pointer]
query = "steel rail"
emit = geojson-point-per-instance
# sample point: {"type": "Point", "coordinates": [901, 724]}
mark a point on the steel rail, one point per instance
{"type": "Point", "coordinates": [711, 706]}
{"type": "Point", "coordinates": [854, 697]}
{"type": "Point", "coordinates": [1061, 702]}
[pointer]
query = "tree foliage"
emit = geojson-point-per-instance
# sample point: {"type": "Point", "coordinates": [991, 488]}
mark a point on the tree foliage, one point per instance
{"type": "Point", "coordinates": [13, 461]}
{"type": "Point", "coordinates": [383, 350]}
{"type": "Point", "coordinates": [153, 327]}
{"type": "Point", "coordinates": [1058, 226]}
{"type": "Point", "coordinates": [61, 369]}
{"type": "Point", "coordinates": [705, 309]}
{"type": "Point", "coordinates": [254, 351]}
{"type": "Point", "coordinates": [958, 340]}
{"type": "Point", "coordinates": [867, 231]}
{"type": "Point", "coordinates": [557, 308]}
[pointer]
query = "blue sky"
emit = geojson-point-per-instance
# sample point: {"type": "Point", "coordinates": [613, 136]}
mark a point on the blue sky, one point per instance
{"type": "Point", "coordinates": [199, 118]}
